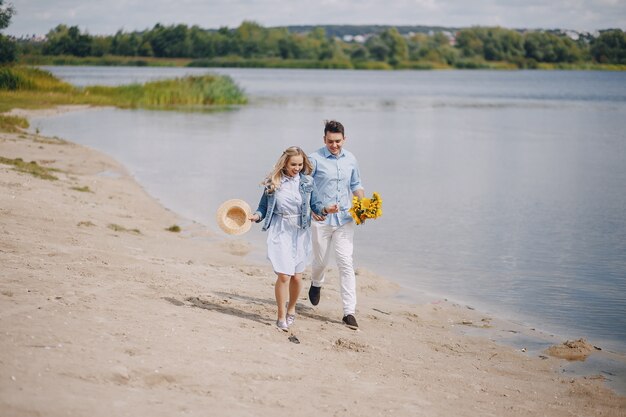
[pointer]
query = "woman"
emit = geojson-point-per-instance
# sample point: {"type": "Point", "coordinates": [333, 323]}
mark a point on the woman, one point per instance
{"type": "Point", "coordinates": [286, 204]}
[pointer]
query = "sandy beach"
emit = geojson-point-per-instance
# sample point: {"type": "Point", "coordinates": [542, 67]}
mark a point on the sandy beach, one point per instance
{"type": "Point", "coordinates": [104, 312]}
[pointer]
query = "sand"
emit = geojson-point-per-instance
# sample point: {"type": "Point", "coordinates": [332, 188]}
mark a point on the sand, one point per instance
{"type": "Point", "coordinates": [103, 312]}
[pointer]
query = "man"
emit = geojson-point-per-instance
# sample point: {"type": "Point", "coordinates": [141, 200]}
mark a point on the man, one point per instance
{"type": "Point", "coordinates": [336, 175]}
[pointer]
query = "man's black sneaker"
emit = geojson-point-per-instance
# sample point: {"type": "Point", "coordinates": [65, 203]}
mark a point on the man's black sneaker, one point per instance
{"type": "Point", "coordinates": [314, 294]}
{"type": "Point", "coordinates": [350, 321]}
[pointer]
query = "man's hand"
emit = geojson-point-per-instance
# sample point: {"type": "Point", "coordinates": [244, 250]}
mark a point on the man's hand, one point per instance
{"type": "Point", "coordinates": [333, 208]}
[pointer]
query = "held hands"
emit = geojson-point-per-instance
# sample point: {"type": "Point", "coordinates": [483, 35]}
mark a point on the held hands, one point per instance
{"type": "Point", "coordinates": [334, 208]}
{"type": "Point", "coordinates": [317, 217]}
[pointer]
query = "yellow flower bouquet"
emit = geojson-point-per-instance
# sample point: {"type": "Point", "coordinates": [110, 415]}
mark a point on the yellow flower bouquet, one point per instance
{"type": "Point", "coordinates": [366, 208]}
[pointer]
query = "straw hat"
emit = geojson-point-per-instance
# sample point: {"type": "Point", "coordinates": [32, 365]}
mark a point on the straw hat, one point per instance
{"type": "Point", "coordinates": [232, 217]}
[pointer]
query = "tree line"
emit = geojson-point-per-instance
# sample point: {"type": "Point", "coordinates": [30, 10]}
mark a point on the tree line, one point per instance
{"type": "Point", "coordinates": [8, 49]}
{"type": "Point", "coordinates": [467, 48]}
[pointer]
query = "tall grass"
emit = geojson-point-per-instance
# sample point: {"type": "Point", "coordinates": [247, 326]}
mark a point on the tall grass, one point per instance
{"type": "Point", "coordinates": [191, 91]}
{"type": "Point", "coordinates": [27, 78]}
{"type": "Point", "coordinates": [239, 62]}
{"type": "Point", "coordinates": [106, 60]}
{"type": "Point", "coordinates": [13, 124]}
{"type": "Point", "coordinates": [33, 88]}
{"type": "Point", "coordinates": [586, 66]}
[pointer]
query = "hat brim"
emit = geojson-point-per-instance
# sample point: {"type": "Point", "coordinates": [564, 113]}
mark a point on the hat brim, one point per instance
{"type": "Point", "coordinates": [232, 217]}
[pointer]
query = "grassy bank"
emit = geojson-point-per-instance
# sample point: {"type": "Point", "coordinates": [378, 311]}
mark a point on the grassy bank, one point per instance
{"type": "Point", "coordinates": [582, 67]}
{"type": "Point", "coordinates": [106, 60]}
{"type": "Point", "coordinates": [239, 62]}
{"type": "Point", "coordinates": [25, 87]}
{"type": "Point", "coordinates": [192, 91]}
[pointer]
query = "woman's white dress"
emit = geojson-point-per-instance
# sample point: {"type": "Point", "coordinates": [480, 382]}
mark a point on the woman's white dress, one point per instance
{"type": "Point", "coordinates": [288, 246]}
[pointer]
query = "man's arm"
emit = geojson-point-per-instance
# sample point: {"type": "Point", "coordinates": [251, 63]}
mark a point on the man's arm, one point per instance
{"type": "Point", "coordinates": [355, 181]}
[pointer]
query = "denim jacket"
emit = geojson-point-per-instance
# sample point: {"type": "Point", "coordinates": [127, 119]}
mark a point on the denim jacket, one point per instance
{"type": "Point", "coordinates": [310, 201]}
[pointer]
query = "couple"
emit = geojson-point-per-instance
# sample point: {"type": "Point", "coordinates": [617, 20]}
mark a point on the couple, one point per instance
{"type": "Point", "coordinates": [298, 188]}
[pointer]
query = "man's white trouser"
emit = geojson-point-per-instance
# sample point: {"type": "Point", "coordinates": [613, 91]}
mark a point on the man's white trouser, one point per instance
{"type": "Point", "coordinates": [340, 239]}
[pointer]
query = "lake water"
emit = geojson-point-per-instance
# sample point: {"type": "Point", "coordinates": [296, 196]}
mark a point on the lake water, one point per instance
{"type": "Point", "coordinates": [502, 190]}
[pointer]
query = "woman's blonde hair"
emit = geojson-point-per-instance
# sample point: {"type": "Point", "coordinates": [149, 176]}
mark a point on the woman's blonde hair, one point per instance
{"type": "Point", "coordinates": [272, 181]}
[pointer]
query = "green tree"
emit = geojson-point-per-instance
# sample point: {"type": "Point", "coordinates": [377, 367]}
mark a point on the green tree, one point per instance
{"type": "Point", "coordinates": [470, 43]}
{"type": "Point", "coordinates": [287, 48]}
{"type": "Point", "coordinates": [315, 44]}
{"type": "Point", "coordinates": [492, 44]}
{"type": "Point", "coordinates": [6, 13]}
{"type": "Point", "coordinates": [64, 40]}
{"type": "Point", "coordinates": [170, 41]}
{"type": "Point", "coordinates": [145, 49]}
{"type": "Point", "coordinates": [250, 37]}
{"type": "Point", "coordinates": [398, 49]}
{"type": "Point", "coordinates": [435, 48]}
{"type": "Point", "coordinates": [100, 45]}
{"type": "Point", "coordinates": [378, 48]}
{"type": "Point", "coordinates": [548, 47]}
{"type": "Point", "coordinates": [359, 53]}
{"type": "Point", "coordinates": [224, 43]}
{"type": "Point", "coordinates": [125, 44]}
{"type": "Point", "coordinates": [332, 50]}
{"type": "Point", "coordinates": [274, 39]}
{"type": "Point", "coordinates": [8, 48]}
{"type": "Point", "coordinates": [304, 46]}
{"type": "Point", "coordinates": [610, 47]}
{"type": "Point", "coordinates": [202, 43]}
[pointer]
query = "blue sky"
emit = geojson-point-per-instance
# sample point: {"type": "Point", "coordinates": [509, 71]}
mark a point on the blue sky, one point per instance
{"type": "Point", "coordinates": [106, 17]}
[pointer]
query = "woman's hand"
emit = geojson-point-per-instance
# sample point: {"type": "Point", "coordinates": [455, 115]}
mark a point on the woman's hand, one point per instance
{"type": "Point", "coordinates": [254, 218]}
{"type": "Point", "coordinates": [317, 217]}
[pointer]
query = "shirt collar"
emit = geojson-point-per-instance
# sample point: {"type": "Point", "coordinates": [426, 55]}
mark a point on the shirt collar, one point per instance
{"type": "Point", "coordinates": [327, 153]}
{"type": "Point", "coordinates": [286, 178]}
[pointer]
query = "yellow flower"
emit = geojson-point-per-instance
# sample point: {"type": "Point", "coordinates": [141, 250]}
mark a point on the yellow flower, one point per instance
{"type": "Point", "coordinates": [366, 208]}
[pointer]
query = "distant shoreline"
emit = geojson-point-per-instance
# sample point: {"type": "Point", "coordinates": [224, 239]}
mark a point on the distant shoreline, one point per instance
{"type": "Point", "coordinates": [237, 62]}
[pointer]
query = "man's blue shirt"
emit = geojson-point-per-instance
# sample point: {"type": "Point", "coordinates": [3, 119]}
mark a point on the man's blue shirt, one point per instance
{"type": "Point", "coordinates": [336, 178]}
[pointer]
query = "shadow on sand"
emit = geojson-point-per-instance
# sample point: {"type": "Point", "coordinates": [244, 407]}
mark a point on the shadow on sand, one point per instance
{"type": "Point", "coordinates": [222, 306]}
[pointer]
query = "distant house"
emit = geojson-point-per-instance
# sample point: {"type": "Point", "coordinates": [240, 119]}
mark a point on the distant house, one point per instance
{"type": "Point", "coordinates": [355, 38]}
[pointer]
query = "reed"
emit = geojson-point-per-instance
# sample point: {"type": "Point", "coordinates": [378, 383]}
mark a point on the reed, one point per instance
{"type": "Point", "coordinates": [239, 62]}
{"type": "Point", "coordinates": [372, 65]}
{"type": "Point", "coordinates": [34, 88]}
{"type": "Point", "coordinates": [587, 66]}
{"type": "Point", "coordinates": [191, 91]}
{"type": "Point", "coordinates": [106, 60]}
{"type": "Point", "coordinates": [31, 79]}
{"type": "Point", "coordinates": [421, 65]}
{"type": "Point", "coordinates": [12, 124]}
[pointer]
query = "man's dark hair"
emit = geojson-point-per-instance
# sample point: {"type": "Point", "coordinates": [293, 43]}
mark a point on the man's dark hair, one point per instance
{"type": "Point", "coordinates": [333, 126]}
